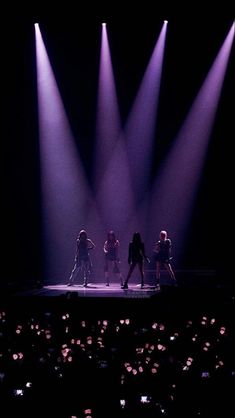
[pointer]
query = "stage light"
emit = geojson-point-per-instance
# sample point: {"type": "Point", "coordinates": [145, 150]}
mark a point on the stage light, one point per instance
{"type": "Point", "coordinates": [175, 191]}
{"type": "Point", "coordinates": [111, 170]}
{"type": "Point", "coordinates": [65, 190]}
{"type": "Point", "coordinates": [140, 126]}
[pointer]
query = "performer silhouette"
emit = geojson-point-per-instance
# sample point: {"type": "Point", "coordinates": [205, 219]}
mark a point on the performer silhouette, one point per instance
{"type": "Point", "coordinates": [82, 258]}
{"type": "Point", "coordinates": [112, 261]}
{"type": "Point", "coordinates": [136, 256]}
{"type": "Point", "coordinates": [163, 256]}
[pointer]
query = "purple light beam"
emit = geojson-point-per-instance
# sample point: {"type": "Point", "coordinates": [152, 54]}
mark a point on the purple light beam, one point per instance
{"type": "Point", "coordinates": [140, 127]}
{"type": "Point", "coordinates": [108, 125]}
{"type": "Point", "coordinates": [113, 184]}
{"type": "Point", "coordinates": [175, 188]}
{"type": "Point", "coordinates": [66, 200]}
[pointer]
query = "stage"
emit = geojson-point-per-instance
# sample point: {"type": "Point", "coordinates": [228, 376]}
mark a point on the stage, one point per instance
{"type": "Point", "coordinates": [94, 290]}
{"type": "Point", "coordinates": [192, 294]}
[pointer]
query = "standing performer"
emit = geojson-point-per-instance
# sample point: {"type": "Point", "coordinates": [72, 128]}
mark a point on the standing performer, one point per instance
{"type": "Point", "coordinates": [136, 255]}
{"type": "Point", "coordinates": [112, 261]}
{"type": "Point", "coordinates": [82, 258]}
{"type": "Point", "coordinates": [163, 256]}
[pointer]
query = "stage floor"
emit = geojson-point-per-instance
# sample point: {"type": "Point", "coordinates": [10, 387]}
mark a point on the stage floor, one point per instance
{"type": "Point", "coordinates": [189, 297]}
{"type": "Point", "coordinates": [99, 290]}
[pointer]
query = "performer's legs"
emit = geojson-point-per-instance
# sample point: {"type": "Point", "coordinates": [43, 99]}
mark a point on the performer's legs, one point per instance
{"type": "Point", "coordinates": [106, 275]}
{"type": "Point", "coordinates": [117, 272]}
{"type": "Point", "coordinates": [141, 268]}
{"type": "Point", "coordinates": [120, 278]}
{"type": "Point", "coordinates": [85, 271]}
{"type": "Point", "coordinates": [170, 271]}
{"type": "Point", "coordinates": [158, 273]}
{"type": "Point", "coordinates": [106, 272]}
{"type": "Point", "coordinates": [72, 275]}
{"type": "Point", "coordinates": [132, 266]}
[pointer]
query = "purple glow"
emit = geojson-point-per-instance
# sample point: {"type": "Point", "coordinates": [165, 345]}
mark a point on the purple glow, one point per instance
{"type": "Point", "coordinates": [141, 123]}
{"type": "Point", "coordinates": [115, 195]}
{"type": "Point", "coordinates": [66, 200]}
{"type": "Point", "coordinates": [175, 188]}
{"type": "Point", "coordinates": [113, 185]}
{"type": "Point", "coordinates": [115, 190]}
{"type": "Point", "coordinates": [108, 119]}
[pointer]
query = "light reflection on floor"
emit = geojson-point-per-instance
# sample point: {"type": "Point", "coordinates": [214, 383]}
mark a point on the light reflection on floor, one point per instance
{"type": "Point", "coordinates": [101, 290]}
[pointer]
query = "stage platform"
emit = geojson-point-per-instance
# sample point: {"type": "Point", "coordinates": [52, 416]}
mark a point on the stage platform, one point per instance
{"type": "Point", "coordinates": [189, 298]}
{"type": "Point", "coordinates": [98, 290]}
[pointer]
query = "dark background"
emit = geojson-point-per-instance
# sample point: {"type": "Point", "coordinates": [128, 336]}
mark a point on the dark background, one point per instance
{"type": "Point", "coordinates": [73, 45]}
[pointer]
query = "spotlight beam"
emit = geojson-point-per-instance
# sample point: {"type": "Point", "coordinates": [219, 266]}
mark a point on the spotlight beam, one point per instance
{"type": "Point", "coordinates": [112, 179]}
{"type": "Point", "coordinates": [108, 124]}
{"type": "Point", "coordinates": [175, 187]}
{"type": "Point", "coordinates": [140, 127]}
{"type": "Point", "coordinates": [66, 199]}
